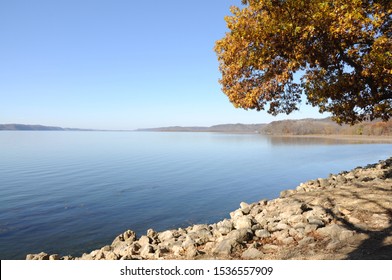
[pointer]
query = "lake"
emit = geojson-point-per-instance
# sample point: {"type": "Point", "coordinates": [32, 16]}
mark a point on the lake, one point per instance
{"type": "Point", "coordinates": [73, 192]}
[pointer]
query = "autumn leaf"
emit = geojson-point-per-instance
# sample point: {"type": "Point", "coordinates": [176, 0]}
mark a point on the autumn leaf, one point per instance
{"type": "Point", "coordinates": [341, 49]}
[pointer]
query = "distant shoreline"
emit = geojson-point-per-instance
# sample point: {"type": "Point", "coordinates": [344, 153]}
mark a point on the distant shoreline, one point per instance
{"type": "Point", "coordinates": [367, 132]}
{"type": "Point", "coordinates": [364, 138]}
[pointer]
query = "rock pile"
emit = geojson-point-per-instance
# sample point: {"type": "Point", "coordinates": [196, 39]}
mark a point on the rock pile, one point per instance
{"type": "Point", "coordinates": [347, 215]}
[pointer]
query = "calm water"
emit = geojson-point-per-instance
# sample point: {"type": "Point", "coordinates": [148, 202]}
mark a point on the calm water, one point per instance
{"type": "Point", "coordinates": [72, 192]}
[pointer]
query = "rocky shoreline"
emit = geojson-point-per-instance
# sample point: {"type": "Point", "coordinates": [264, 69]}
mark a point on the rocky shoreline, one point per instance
{"type": "Point", "coordinates": [345, 216]}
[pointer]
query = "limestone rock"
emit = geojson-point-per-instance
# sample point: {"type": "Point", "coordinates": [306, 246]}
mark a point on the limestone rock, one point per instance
{"type": "Point", "coordinates": [128, 236]}
{"type": "Point", "coordinates": [191, 252]}
{"type": "Point", "coordinates": [333, 231]}
{"type": "Point", "coordinates": [306, 241]}
{"type": "Point", "coordinates": [146, 251]}
{"type": "Point", "coordinates": [177, 250]}
{"type": "Point", "coordinates": [165, 236]}
{"type": "Point", "coordinates": [315, 221]}
{"type": "Point", "coordinates": [295, 219]}
{"type": "Point", "coordinates": [243, 222]}
{"type": "Point", "coordinates": [225, 247]}
{"type": "Point", "coordinates": [111, 256]}
{"type": "Point", "coordinates": [240, 235]}
{"type": "Point", "coordinates": [54, 257]}
{"type": "Point", "coordinates": [237, 213]}
{"type": "Point", "coordinates": [270, 247]}
{"type": "Point", "coordinates": [143, 240]}
{"type": "Point", "coordinates": [252, 254]}
{"type": "Point", "coordinates": [152, 234]}
{"type": "Point", "coordinates": [262, 233]}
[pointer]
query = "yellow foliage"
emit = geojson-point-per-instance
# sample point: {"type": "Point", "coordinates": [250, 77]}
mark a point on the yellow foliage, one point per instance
{"type": "Point", "coordinates": [343, 48]}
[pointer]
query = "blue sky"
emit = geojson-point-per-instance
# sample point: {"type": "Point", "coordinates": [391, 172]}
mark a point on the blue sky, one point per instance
{"type": "Point", "coordinates": [116, 64]}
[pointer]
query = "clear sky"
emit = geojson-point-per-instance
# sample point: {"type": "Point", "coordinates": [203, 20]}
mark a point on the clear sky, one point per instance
{"type": "Point", "coordinates": [116, 64]}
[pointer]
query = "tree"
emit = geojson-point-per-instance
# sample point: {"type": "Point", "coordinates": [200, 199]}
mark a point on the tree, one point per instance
{"type": "Point", "coordinates": [341, 49]}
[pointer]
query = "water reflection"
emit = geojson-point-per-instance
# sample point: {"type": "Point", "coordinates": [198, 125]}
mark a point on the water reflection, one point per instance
{"type": "Point", "coordinates": [321, 140]}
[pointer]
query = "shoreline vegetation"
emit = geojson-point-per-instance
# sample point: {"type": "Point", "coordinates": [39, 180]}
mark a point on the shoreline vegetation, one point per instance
{"type": "Point", "coordinates": [303, 127]}
{"type": "Point", "coordinates": [345, 216]}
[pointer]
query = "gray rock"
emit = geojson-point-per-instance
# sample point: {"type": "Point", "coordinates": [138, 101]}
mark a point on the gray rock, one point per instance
{"type": "Point", "coordinates": [262, 233]}
{"type": "Point", "coordinates": [225, 247]}
{"type": "Point", "coordinates": [165, 236]}
{"type": "Point", "coordinates": [345, 235]}
{"type": "Point", "coordinates": [270, 247]}
{"type": "Point", "coordinates": [241, 235]}
{"type": "Point", "coordinates": [188, 242]}
{"type": "Point", "coordinates": [128, 237]}
{"type": "Point", "coordinates": [261, 219]}
{"type": "Point", "coordinates": [94, 253]}
{"type": "Point", "coordinates": [334, 245]}
{"type": "Point", "coordinates": [106, 248]}
{"type": "Point", "coordinates": [263, 202]}
{"type": "Point", "coordinates": [209, 246]}
{"type": "Point", "coordinates": [199, 227]}
{"type": "Point", "coordinates": [306, 241]}
{"type": "Point", "coordinates": [143, 240]}
{"type": "Point", "coordinates": [310, 228]}
{"type": "Point", "coordinates": [160, 252]}
{"type": "Point", "coordinates": [225, 223]}
{"type": "Point", "coordinates": [243, 222]}
{"type": "Point", "coordinates": [323, 182]}
{"type": "Point", "coordinates": [191, 252]}
{"type": "Point", "coordinates": [111, 256]}
{"type": "Point", "coordinates": [99, 256]}
{"type": "Point", "coordinates": [286, 193]}
{"type": "Point", "coordinates": [315, 221]}
{"type": "Point", "coordinates": [237, 213]}
{"type": "Point", "coordinates": [293, 232]}
{"type": "Point", "coordinates": [295, 219]}
{"type": "Point", "coordinates": [288, 240]}
{"type": "Point", "coordinates": [276, 226]}
{"type": "Point", "coordinates": [244, 205]}
{"type": "Point", "coordinates": [245, 208]}
{"type": "Point", "coordinates": [152, 234]}
{"type": "Point", "coordinates": [177, 250]}
{"type": "Point", "coordinates": [282, 226]}
{"type": "Point", "coordinates": [299, 226]}
{"type": "Point", "coordinates": [135, 248]}
{"type": "Point", "coordinates": [224, 230]}
{"type": "Point", "coordinates": [341, 179]}
{"type": "Point", "coordinates": [333, 231]}
{"type": "Point", "coordinates": [252, 254]}
{"type": "Point", "coordinates": [42, 256]}
{"type": "Point", "coordinates": [245, 211]}
{"type": "Point", "coordinates": [354, 220]}
{"type": "Point", "coordinates": [54, 257]}
{"type": "Point", "coordinates": [255, 210]}
{"type": "Point", "coordinates": [256, 227]}
{"type": "Point", "coordinates": [202, 236]}
{"type": "Point", "coordinates": [281, 235]}
{"type": "Point", "coordinates": [86, 257]}
{"type": "Point", "coordinates": [147, 251]}
{"type": "Point", "coordinates": [121, 249]}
